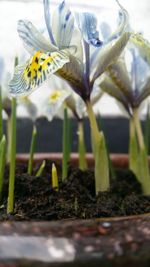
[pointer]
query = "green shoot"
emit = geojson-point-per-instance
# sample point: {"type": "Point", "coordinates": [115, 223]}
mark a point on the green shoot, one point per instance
{"type": "Point", "coordinates": [143, 157]}
{"type": "Point", "coordinates": [102, 182]}
{"type": "Point", "coordinates": [81, 147]}
{"type": "Point", "coordinates": [2, 162]}
{"type": "Point", "coordinates": [1, 115]}
{"type": "Point", "coordinates": [8, 125]}
{"type": "Point", "coordinates": [65, 145]}
{"type": "Point", "coordinates": [41, 169]}
{"type": "Point", "coordinates": [69, 138]}
{"type": "Point", "coordinates": [32, 150]}
{"type": "Point", "coordinates": [147, 129]}
{"type": "Point", "coordinates": [10, 204]}
{"type": "Point", "coordinates": [54, 177]}
{"type": "Point", "coordinates": [111, 167]}
{"type": "Point", "coordinates": [9, 128]}
{"type": "Point", "coordinates": [133, 149]}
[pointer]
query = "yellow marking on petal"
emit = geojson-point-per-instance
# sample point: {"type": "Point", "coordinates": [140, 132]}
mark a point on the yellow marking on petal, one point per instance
{"type": "Point", "coordinates": [53, 98]}
{"type": "Point", "coordinates": [30, 76]}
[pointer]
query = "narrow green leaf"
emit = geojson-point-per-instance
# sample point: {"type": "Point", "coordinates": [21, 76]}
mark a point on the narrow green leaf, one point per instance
{"type": "Point", "coordinates": [65, 145]}
{"type": "Point", "coordinates": [81, 147]}
{"type": "Point", "coordinates": [144, 176]}
{"type": "Point", "coordinates": [102, 182]}
{"type": "Point", "coordinates": [147, 129]}
{"type": "Point", "coordinates": [1, 114]}
{"type": "Point", "coordinates": [10, 204]}
{"type": "Point", "coordinates": [41, 169]}
{"type": "Point", "coordinates": [32, 150]}
{"type": "Point", "coordinates": [69, 138]}
{"type": "Point", "coordinates": [111, 167]}
{"type": "Point", "coordinates": [2, 162]}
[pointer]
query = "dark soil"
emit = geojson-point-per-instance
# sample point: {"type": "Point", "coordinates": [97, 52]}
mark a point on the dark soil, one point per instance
{"type": "Point", "coordinates": [36, 200]}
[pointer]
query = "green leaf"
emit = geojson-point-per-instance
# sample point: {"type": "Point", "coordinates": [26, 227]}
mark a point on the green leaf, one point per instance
{"type": "Point", "coordinates": [102, 182]}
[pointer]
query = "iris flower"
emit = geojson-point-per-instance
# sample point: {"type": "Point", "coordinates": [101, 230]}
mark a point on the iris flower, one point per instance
{"type": "Point", "coordinates": [80, 63]}
{"type": "Point", "coordinates": [130, 85]}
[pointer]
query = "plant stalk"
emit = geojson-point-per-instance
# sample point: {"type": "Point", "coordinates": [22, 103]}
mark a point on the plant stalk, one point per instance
{"type": "Point", "coordinates": [133, 149]}
{"type": "Point", "coordinates": [10, 204]}
{"type": "Point", "coordinates": [81, 147]}
{"type": "Point", "coordinates": [65, 145]}
{"type": "Point", "coordinates": [2, 162]}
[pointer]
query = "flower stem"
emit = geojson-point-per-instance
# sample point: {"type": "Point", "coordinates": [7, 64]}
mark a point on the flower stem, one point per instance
{"type": "Point", "coordinates": [102, 182]}
{"type": "Point", "coordinates": [8, 126]}
{"type": "Point", "coordinates": [65, 145]}
{"type": "Point", "coordinates": [81, 147]}
{"type": "Point", "coordinates": [10, 204]}
{"type": "Point", "coordinates": [133, 149]}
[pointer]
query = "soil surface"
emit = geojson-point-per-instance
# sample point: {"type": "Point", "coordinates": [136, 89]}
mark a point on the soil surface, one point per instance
{"type": "Point", "coordinates": [35, 199]}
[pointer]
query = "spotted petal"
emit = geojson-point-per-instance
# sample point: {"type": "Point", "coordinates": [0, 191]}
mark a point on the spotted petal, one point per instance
{"type": "Point", "coordinates": [62, 25]}
{"type": "Point", "coordinates": [30, 76]}
{"type": "Point", "coordinates": [33, 39]}
{"type": "Point", "coordinates": [87, 24]}
{"type": "Point", "coordinates": [107, 55]}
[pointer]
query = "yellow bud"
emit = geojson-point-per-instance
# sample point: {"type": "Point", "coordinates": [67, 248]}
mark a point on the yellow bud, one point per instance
{"type": "Point", "coordinates": [54, 177]}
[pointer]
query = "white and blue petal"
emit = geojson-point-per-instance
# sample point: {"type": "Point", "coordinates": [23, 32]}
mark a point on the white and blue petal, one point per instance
{"type": "Point", "coordinates": [62, 25]}
{"type": "Point", "coordinates": [142, 45]}
{"type": "Point", "coordinates": [107, 55]}
{"type": "Point", "coordinates": [144, 93]}
{"type": "Point", "coordinates": [123, 24]}
{"type": "Point", "coordinates": [33, 39]}
{"type": "Point", "coordinates": [105, 30]}
{"type": "Point", "coordinates": [87, 24]}
{"type": "Point", "coordinates": [48, 20]}
{"type": "Point", "coordinates": [140, 71]}
{"type": "Point", "coordinates": [36, 71]}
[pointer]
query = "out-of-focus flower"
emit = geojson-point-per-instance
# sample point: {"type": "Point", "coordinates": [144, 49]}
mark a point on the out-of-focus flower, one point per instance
{"type": "Point", "coordinates": [128, 79]}
{"type": "Point", "coordinates": [61, 95]}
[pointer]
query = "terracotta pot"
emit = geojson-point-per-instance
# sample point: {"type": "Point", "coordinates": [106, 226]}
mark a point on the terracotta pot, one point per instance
{"type": "Point", "coordinates": [118, 242]}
